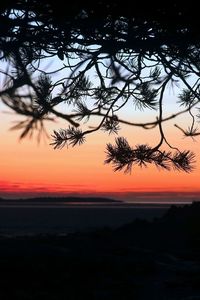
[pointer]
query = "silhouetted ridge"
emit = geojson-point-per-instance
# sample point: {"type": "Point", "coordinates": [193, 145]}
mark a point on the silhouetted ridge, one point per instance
{"type": "Point", "coordinates": [61, 199]}
{"type": "Point", "coordinates": [142, 260]}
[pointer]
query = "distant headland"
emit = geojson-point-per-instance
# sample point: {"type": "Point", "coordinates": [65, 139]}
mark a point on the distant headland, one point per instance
{"type": "Point", "coordinates": [60, 200]}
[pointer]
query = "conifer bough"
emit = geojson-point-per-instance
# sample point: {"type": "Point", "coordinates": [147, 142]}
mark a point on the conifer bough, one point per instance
{"type": "Point", "coordinates": [105, 57]}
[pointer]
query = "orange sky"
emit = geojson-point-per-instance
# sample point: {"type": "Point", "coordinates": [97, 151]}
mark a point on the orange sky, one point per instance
{"type": "Point", "coordinates": [27, 168]}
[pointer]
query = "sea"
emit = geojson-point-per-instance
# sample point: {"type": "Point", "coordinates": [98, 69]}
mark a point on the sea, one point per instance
{"type": "Point", "coordinates": [65, 218]}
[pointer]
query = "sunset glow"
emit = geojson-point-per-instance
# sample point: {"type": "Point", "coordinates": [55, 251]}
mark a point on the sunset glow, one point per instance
{"type": "Point", "coordinates": [29, 169]}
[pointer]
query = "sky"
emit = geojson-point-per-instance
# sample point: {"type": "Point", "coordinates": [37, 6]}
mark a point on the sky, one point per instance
{"type": "Point", "coordinates": [29, 169]}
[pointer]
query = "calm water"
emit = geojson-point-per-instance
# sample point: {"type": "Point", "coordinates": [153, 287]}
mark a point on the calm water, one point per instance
{"type": "Point", "coordinates": [65, 218]}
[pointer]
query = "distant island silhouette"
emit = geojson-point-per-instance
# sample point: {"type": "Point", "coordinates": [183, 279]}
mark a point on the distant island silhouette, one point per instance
{"type": "Point", "coordinates": [61, 199]}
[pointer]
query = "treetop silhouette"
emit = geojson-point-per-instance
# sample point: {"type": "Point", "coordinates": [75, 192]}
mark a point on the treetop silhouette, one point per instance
{"type": "Point", "coordinates": [105, 57]}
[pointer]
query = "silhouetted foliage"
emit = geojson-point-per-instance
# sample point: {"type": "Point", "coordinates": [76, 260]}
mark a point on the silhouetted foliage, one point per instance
{"type": "Point", "coordinates": [103, 56]}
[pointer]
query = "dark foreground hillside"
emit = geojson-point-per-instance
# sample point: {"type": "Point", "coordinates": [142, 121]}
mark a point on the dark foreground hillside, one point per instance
{"type": "Point", "coordinates": [142, 260]}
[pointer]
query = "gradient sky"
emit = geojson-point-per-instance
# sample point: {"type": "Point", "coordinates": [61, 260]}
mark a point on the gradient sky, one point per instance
{"type": "Point", "coordinates": [29, 169]}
